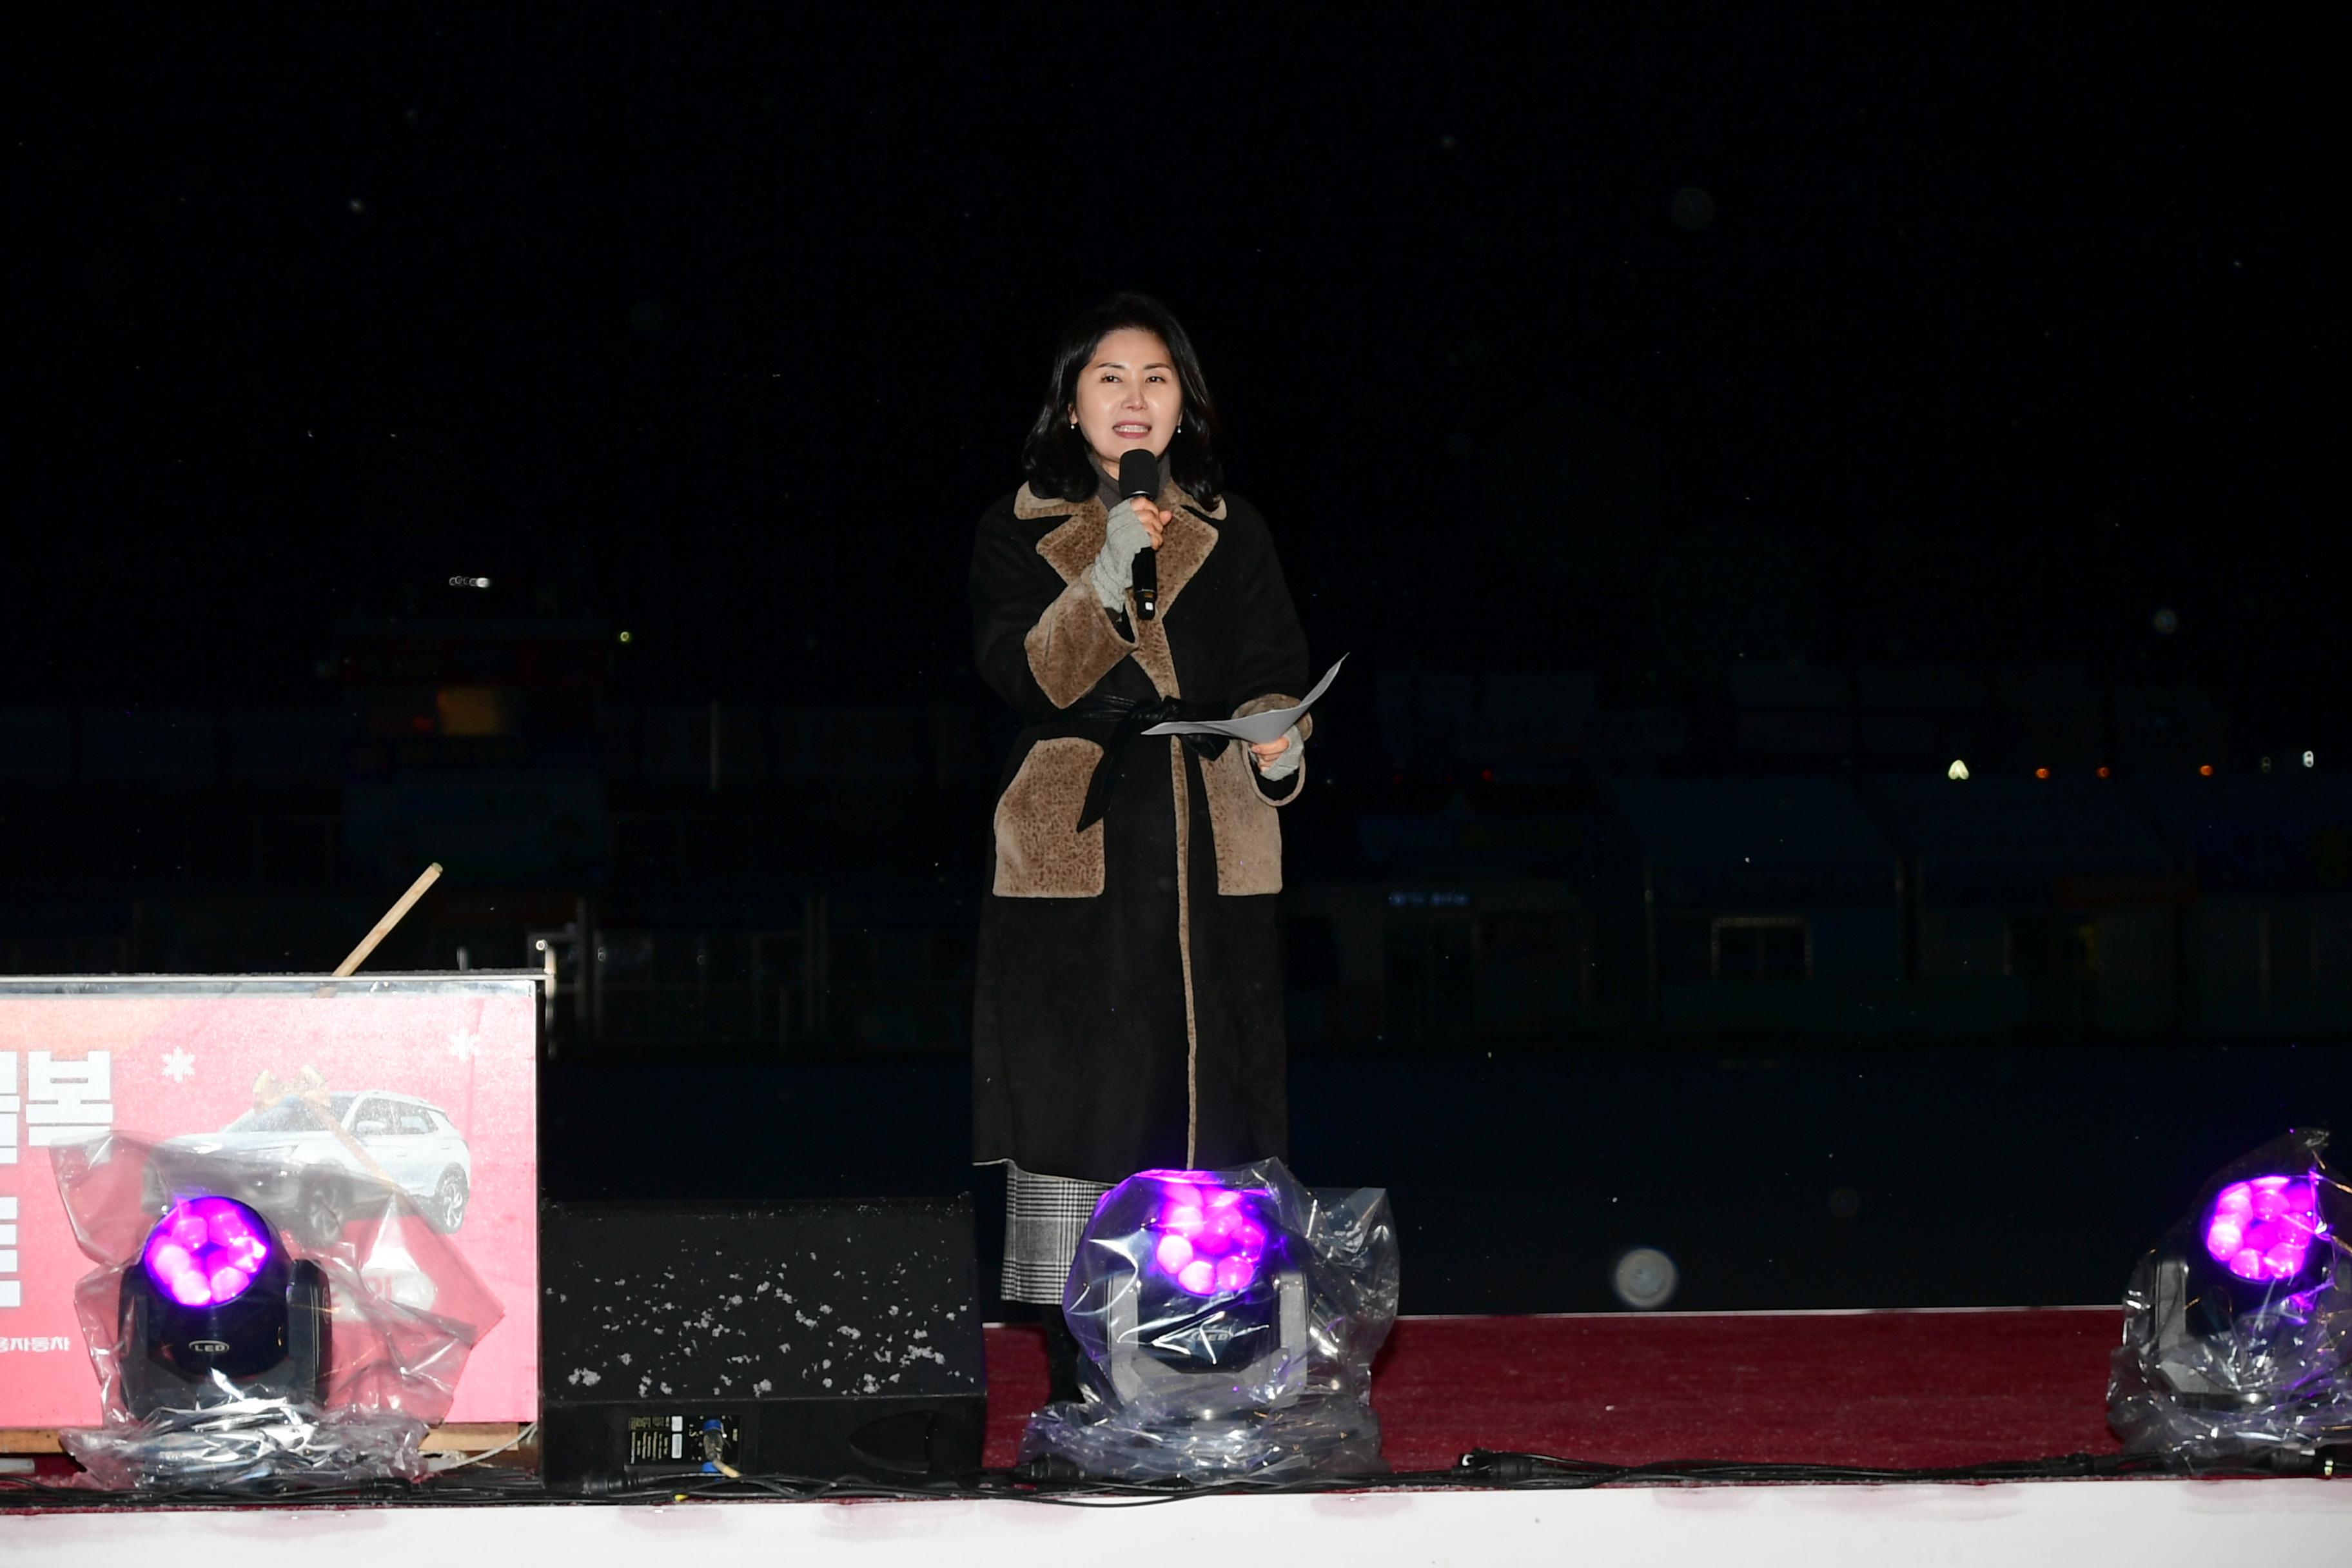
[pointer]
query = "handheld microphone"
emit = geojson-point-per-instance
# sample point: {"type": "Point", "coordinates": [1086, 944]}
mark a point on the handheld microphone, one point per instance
{"type": "Point", "coordinates": [1139, 478]}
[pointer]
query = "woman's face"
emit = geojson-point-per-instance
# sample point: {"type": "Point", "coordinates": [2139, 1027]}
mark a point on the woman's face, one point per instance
{"type": "Point", "coordinates": [1127, 398]}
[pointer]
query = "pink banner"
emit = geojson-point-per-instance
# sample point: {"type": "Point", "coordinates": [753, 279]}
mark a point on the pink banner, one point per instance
{"type": "Point", "coordinates": [429, 1081]}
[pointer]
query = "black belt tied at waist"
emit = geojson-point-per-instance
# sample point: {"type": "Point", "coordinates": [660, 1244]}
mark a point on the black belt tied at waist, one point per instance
{"type": "Point", "coordinates": [1117, 721]}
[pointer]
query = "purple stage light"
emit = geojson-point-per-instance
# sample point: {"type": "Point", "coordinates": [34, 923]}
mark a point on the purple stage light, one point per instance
{"type": "Point", "coordinates": [2262, 1229]}
{"type": "Point", "coordinates": [205, 1251]}
{"type": "Point", "coordinates": [1213, 1239]}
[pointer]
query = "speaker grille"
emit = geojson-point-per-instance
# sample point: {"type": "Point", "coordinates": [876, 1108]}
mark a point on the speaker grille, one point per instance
{"type": "Point", "coordinates": [840, 1298]}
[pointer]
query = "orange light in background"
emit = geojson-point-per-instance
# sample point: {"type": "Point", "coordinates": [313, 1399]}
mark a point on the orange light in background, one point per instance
{"type": "Point", "coordinates": [2042, 772]}
{"type": "Point", "coordinates": [475, 710]}
{"type": "Point", "coordinates": [2102, 773]}
{"type": "Point", "coordinates": [2205, 770]}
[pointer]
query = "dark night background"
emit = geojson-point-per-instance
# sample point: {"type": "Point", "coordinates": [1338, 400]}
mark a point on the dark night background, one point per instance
{"type": "Point", "coordinates": [1621, 377]}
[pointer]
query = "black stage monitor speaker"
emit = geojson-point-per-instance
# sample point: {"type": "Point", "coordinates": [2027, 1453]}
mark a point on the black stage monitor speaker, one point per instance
{"type": "Point", "coordinates": [823, 1339]}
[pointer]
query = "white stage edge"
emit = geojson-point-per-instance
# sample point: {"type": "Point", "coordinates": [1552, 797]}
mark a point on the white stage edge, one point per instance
{"type": "Point", "coordinates": [2062, 1524]}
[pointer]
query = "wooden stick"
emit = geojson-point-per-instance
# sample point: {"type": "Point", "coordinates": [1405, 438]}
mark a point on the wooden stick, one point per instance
{"type": "Point", "coordinates": [431, 875]}
{"type": "Point", "coordinates": [454, 1437]}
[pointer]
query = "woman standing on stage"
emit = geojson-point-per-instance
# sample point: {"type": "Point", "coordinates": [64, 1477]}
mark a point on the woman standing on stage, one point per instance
{"type": "Point", "coordinates": [1129, 1007]}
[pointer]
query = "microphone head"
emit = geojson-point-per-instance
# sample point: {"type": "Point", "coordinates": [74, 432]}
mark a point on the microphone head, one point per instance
{"type": "Point", "coordinates": [1138, 475]}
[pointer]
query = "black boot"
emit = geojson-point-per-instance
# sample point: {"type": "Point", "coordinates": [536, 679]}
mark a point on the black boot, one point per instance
{"type": "Point", "coordinates": [1061, 1358]}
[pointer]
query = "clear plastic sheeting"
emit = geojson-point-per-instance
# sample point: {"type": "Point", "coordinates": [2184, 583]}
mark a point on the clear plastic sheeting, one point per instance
{"type": "Point", "coordinates": [250, 1443]}
{"type": "Point", "coordinates": [2238, 1324]}
{"type": "Point", "coordinates": [253, 1321]}
{"type": "Point", "coordinates": [1229, 1319]}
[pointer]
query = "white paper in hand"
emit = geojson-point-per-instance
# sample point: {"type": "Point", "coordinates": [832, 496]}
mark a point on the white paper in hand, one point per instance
{"type": "Point", "coordinates": [1258, 729]}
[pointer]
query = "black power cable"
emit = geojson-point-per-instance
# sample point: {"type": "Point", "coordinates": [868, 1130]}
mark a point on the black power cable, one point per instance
{"type": "Point", "coordinates": [1481, 1469]}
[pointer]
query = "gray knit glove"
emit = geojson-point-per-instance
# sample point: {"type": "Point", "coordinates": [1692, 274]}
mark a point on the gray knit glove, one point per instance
{"type": "Point", "coordinates": [1114, 569]}
{"type": "Point", "coordinates": [1293, 756]}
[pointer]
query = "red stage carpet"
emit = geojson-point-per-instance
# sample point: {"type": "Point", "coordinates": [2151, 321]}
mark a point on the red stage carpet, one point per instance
{"type": "Point", "coordinates": [1893, 1389]}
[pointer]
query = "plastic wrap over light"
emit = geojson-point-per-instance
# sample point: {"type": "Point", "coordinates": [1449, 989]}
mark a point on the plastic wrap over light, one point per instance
{"type": "Point", "coordinates": [2238, 1324]}
{"type": "Point", "coordinates": [195, 1250]}
{"type": "Point", "coordinates": [1228, 1322]}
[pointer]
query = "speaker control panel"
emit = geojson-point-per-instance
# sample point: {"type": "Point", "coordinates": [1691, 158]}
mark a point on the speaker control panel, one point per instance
{"type": "Point", "coordinates": [710, 1444]}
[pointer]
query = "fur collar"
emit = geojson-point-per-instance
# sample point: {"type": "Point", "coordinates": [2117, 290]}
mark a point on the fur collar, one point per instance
{"type": "Point", "coordinates": [1028, 505]}
{"type": "Point", "coordinates": [1072, 548]}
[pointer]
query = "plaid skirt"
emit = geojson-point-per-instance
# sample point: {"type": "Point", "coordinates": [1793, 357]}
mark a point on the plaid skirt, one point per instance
{"type": "Point", "coordinates": [1044, 1217]}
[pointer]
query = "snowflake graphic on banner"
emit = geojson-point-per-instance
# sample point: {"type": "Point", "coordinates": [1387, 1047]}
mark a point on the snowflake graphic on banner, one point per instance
{"type": "Point", "coordinates": [462, 1044]}
{"type": "Point", "coordinates": [179, 1066]}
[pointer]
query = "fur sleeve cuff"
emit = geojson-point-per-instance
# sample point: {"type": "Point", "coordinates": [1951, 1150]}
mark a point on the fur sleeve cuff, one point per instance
{"type": "Point", "coordinates": [1073, 646]}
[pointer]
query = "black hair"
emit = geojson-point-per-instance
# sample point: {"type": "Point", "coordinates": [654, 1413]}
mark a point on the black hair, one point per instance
{"type": "Point", "coordinates": [1055, 458]}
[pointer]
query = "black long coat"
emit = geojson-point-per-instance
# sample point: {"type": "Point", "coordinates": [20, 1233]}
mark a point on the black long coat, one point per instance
{"type": "Point", "coordinates": [1128, 1008]}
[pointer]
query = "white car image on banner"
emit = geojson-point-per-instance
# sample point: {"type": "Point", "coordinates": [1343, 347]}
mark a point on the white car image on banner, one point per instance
{"type": "Point", "coordinates": [409, 1141]}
